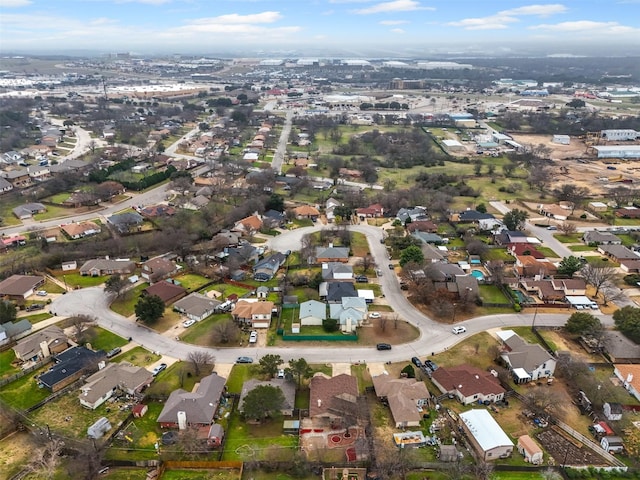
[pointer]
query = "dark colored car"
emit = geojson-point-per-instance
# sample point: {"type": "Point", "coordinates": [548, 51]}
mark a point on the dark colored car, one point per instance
{"type": "Point", "coordinates": [383, 346]}
{"type": "Point", "coordinates": [416, 361]}
{"type": "Point", "coordinates": [391, 267]}
{"type": "Point", "coordinates": [362, 279]}
{"type": "Point", "coordinates": [432, 365]}
{"type": "Point", "coordinates": [34, 306]}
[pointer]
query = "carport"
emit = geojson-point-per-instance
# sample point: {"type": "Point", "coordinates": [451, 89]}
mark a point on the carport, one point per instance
{"type": "Point", "coordinates": [580, 302]}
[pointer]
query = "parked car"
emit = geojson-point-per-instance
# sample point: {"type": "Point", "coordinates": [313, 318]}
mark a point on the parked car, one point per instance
{"type": "Point", "coordinates": [552, 227]}
{"type": "Point", "coordinates": [431, 365]}
{"type": "Point", "coordinates": [34, 306]}
{"type": "Point", "coordinates": [188, 323]}
{"type": "Point", "coordinates": [362, 279]}
{"type": "Point", "coordinates": [41, 293]}
{"type": "Point", "coordinates": [459, 329]}
{"type": "Point", "coordinates": [158, 369]}
{"type": "Point", "coordinates": [280, 373]}
{"type": "Point", "coordinates": [391, 267]}
{"type": "Point", "coordinates": [253, 337]}
{"type": "Point", "coordinates": [383, 346]}
{"type": "Point", "coordinates": [113, 352]}
{"type": "Point", "coordinates": [416, 361]}
{"type": "Point", "coordinates": [244, 360]}
{"type": "Point", "coordinates": [374, 315]}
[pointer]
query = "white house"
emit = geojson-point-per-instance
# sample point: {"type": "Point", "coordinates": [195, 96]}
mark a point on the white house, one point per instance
{"type": "Point", "coordinates": [527, 362]}
{"type": "Point", "coordinates": [629, 375]}
{"type": "Point", "coordinates": [612, 444]}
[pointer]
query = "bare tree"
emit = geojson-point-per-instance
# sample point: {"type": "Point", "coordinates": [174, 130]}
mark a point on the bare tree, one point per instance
{"type": "Point", "coordinates": [225, 332]}
{"type": "Point", "coordinates": [367, 262]}
{"type": "Point", "coordinates": [496, 269]}
{"type": "Point", "coordinates": [483, 470]}
{"type": "Point", "coordinates": [599, 274]}
{"type": "Point", "coordinates": [567, 228]}
{"type": "Point", "coordinates": [610, 293]}
{"type": "Point", "coordinates": [544, 401]}
{"type": "Point", "coordinates": [45, 459]}
{"type": "Point", "coordinates": [201, 359]}
{"type": "Point", "coordinates": [382, 323]}
{"type": "Point", "coordinates": [79, 324]}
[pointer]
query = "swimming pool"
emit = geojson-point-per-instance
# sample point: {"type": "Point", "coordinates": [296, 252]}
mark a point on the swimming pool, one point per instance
{"type": "Point", "coordinates": [477, 274]}
{"type": "Point", "coordinates": [522, 298]}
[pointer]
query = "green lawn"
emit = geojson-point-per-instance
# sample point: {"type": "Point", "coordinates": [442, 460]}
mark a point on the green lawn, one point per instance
{"type": "Point", "coordinates": [208, 474]}
{"type": "Point", "coordinates": [52, 287]}
{"type": "Point", "coordinates": [24, 392]}
{"type": "Point", "coordinates": [38, 317]}
{"type": "Point", "coordinates": [125, 305]}
{"type": "Point", "coordinates": [572, 238]}
{"type": "Point", "coordinates": [178, 375]}
{"type": "Point", "coordinates": [75, 280]}
{"type": "Point", "coordinates": [139, 356]}
{"type": "Point", "coordinates": [497, 254]}
{"type": "Point", "coordinates": [581, 248]}
{"type": "Point", "coordinates": [200, 332]}
{"type": "Point", "coordinates": [225, 289]}
{"type": "Point", "coordinates": [52, 212]}
{"type": "Point", "coordinates": [104, 340]}
{"type": "Point", "coordinates": [547, 252]}
{"type": "Point", "coordinates": [143, 432]}
{"type": "Point", "coordinates": [492, 294]}
{"type": "Point", "coordinates": [359, 245]}
{"type": "Point", "coordinates": [191, 281]}
{"type": "Point", "coordinates": [6, 368]}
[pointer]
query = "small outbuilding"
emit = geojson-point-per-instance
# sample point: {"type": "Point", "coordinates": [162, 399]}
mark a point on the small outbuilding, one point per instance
{"type": "Point", "coordinates": [612, 411]}
{"type": "Point", "coordinates": [612, 444]}
{"type": "Point", "coordinates": [98, 429]}
{"type": "Point", "coordinates": [530, 450]}
{"type": "Point", "coordinates": [561, 139]}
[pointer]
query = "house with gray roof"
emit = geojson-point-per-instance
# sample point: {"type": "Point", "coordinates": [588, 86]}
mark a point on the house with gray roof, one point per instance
{"type": "Point", "coordinates": [601, 238]}
{"type": "Point", "coordinates": [334, 292]}
{"type": "Point", "coordinates": [617, 253]}
{"type": "Point", "coordinates": [69, 366]}
{"type": "Point", "coordinates": [527, 361]}
{"type": "Point", "coordinates": [12, 331]}
{"type": "Point", "coordinates": [197, 408]}
{"type": "Point", "coordinates": [350, 313]}
{"type": "Point", "coordinates": [432, 254]}
{"type": "Point", "coordinates": [28, 210]}
{"type": "Point", "coordinates": [337, 271]}
{"type": "Point", "coordinates": [196, 306]}
{"type": "Point", "coordinates": [332, 254]}
{"type": "Point", "coordinates": [426, 237]}
{"type": "Point", "coordinates": [125, 222]}
{"type": "Point", "coordinates": [451, 277]}
{"type": "Point", "coordinates": [287, 388]}
{"type": "Point", "coordinates": [115, 377]}
{"type": "Point", "coordinates": [5, 186]}
{"type": "Point", "coordinates": [412, 214]}
{"type": "Point", "coordinates": [265, 269]}
{"type": "Point", "coordinates": [41, 344]}
{"type": "Point", "coordinates": [106, 266]}
{"type": "Point", "coordinates": [19, 287]}
{"type": "Point", "coordinates": [312, 312]}
{"type": "Point", "coordinates": [405, 397]}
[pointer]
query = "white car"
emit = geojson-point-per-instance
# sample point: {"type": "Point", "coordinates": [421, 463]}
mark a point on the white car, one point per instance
{"type": "Point", "coordinates": [280, 373]}
{"type": "Point", "coordinates": [374, 315]}
{"type": "Point", "coordinates": [41, 293]}
{"type": "Point", "coordinates": [459, 329]}
{"type": "Point", "coordinates": [253, 337]}
{"type": "Point", "coordinates": [188, 323]}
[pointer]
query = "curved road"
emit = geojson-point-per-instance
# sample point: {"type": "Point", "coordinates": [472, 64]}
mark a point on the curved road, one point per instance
{"type": "Point", "coordinates": [434, 337]}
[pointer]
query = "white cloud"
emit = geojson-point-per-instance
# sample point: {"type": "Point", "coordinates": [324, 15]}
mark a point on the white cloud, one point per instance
{"type": "Point", "coordinates": [397, 30]}
{"type": "Point", "coordinates": [594, 28]}
{"type": "Point", "coordinates": [393, 6]}
{"type": "Point", "coordinates": [495, 22]}
{"type": "Point", "coordinates": [14, 3]}
{"type": "Point", "coordinates": [393, 22]}
{"type": "Point", "coordinates": [234, 18]}
{"type": "Point", "coordinates": [537, 10]}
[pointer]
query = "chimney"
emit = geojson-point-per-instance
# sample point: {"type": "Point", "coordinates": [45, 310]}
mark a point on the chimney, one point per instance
{"type": "Point", "coordinates": [629, 377]}
{"type": "Point", "coordinates": [101, 364]}
{"type": "Point", "coordinates": [319, 402]}
{"type": "Point", "coordinates": [44, 347]}
{"type": "Point", "coordinates": [182, 420]}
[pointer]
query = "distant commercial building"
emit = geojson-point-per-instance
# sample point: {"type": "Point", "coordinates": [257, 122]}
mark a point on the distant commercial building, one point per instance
{"type": "Point", "coordinates": [617, 151]}
{"type": "Point", "coordinates": [619, 134]}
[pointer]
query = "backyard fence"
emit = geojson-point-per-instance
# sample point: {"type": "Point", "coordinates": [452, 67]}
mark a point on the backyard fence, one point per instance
{"type": "Point", "coordinates": [24, 372]}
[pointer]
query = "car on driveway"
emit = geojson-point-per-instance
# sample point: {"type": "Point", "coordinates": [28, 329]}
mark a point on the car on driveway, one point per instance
{"type": "Point", "coordinates": [374, 315]}
{"type": "Point", "coordinates": [158, 369]}
{"type": "Point", "coordinates": [34, 306]}
{"type": "Point", "coordinates": [431, 365]}
{"type": "Point", "coordinates": [383, 346]}
{"type": "Point", "coordinates": [188, 323]}
{"type": "Point", "coordinates": [280, 373]}
{"type": "Point", "coordinates": [41, 293]}
{"type": "Point", "coordinates": [416, 361]}
{"type": "Point", "coordinates": [362, 279]}
{"type": "Point", "coordinates": [391, 266]}
{"type": "Point", "coordinates": [459, 329]}
{"type": "Point", "coordinates": [244, 360]}
{"type": "Point", "coordinates": [253, 337]}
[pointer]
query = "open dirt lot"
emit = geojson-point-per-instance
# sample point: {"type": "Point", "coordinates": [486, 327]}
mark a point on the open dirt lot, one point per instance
{"type": "Point", "coordinates": [14, 453]}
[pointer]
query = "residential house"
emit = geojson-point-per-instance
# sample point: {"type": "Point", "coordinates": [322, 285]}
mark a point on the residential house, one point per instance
{"type": "Point", "coordinates": [618, 253]}
{"type": "Point", "coordinates": [198, 408]}
{"type": "Point", "coordinates": [106, 266]}
{"type": "Point", "coordinates": [329, 207]}
{"type": "Point", "coordinates": [530, 450]}
{"type": "Point", "coordinates": [12, 331]}
{"type": "Point", "coordinates": [473, 216]}
{"type": "Point", "coordinates": [49, 341]}
{"type": "Point", "coordinates": [336, 271]}
{"type": "Point", "coordinates": [406, 398]}
{"type": "Point", "coordinates": [253, 313]}
{"type": "Point", "coordinates": [11, 158]}
{"type": "Point", "coordinates": [527, 362]}
{"type": "Point", "coordinates": [525, 250]}
{"type": "Point", "coordinates": [426, 237]}
{"type": "Point", "coordinates": [432, 254]}
{"type": "Point", "coordinates": [452, 278]}
{"type": "Point", "coordinates": [158, 268]}
{"type": "Point", "coordinates": [505, 237]}
{"type": "Point", "coordinates": [619, 348]}
{"type": "Point", "coordinates": [5, 186]}
{"type": "Point", "coordinates": [306, 212]}
{"type": "Point", "coordinates": [334, 292]}
{"type": "Point", "coordinates": [486, 436]}
{"type": "Point", "coordinates": [350, 313]}
{"type": "Point", "coordinates": [273, 219]}
{"type": "Point", "coordinates": [28, 210]}
{"type": "Point", "coordinates": [115, 377]}
{"type": "Point", "coordinates": [332, 254]}
{"type": "Point", "coordinates": [81, 229]}
{"type": "Point", "coordinates": [411, 214]}
{"type": "Point", "coordinates": [612, 444]}
{"type": "Point", "coordinates": [196, 203]}
{"type": "Point", "coordinates": [156, 211]}
{"type": "Point", "coordinates": [70, 365]}
{"type": "Point", "coordinates": [627, 212]}
{"type": "Point", "coordinates": [529, 266]}
{"type": "Point", "coordinates": [249, 225]}
{"type": "Point", "coordinates": [612, 411]}
{"type": "Point", "coordinates": [600, 238]}
{"type": "Point", "coordinates": [265, 269]}
{"type": "Point", "coordinates": [167, 291]}
{"type": "Point", "coordinates": [287, 388]}
{"type": "Point", "coordinates": [39, 173]}
{"type": "Point", "coordinates": [468, 384]}
{"type": "Point", "coordinates": [12, 241]}
{"type": "Point", "coordinates": [19, 287]}
{"type": "Point", "coordinates": [196, 306]}
{"type": "Point", "coordinates": [125, 222]}
{"type": "Point", "coordinates": [375, 210]}
{"type": "Point", "coordinates": [555, 211]}
{"type": "Point", "coordinates": [19, 178]}
{"type": "Point", "coordinates": [333, 401]}
{"type": "Point", "coordinates": [630, 265]}
{"type": "Point", "coordinates": [629, 375]}
{"type": "Point", "coordinates": [312, 312]}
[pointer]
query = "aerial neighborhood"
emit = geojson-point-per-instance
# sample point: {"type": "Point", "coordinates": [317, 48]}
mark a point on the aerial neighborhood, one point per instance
{"type": "Point", "coordinates": [319, 268]}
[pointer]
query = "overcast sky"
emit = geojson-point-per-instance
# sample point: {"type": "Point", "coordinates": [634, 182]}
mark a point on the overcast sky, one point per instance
{"type": "Point", "coordinates": [357, 27]}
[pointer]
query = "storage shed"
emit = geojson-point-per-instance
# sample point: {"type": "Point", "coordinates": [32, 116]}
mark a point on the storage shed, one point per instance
{"type": "Point", "coordinates": [530, 450]}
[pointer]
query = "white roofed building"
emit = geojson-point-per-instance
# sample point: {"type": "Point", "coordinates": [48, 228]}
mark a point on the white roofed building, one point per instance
{"type": "Point", "coordinates": [487, 437]}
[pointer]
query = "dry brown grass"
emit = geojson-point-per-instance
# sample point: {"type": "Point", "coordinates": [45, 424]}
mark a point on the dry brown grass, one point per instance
{"type": "Point", "coordinates": [14, 453]}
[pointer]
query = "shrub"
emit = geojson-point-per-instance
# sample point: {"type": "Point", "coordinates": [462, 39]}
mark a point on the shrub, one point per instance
{"type": "Point", "coordinates": [517, 307]}
{"type": "Point", "coordinates": [409, 371]}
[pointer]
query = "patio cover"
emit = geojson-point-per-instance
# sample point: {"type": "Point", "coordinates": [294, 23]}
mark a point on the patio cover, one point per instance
{"type": "Point", "coordinates": [521, 373]}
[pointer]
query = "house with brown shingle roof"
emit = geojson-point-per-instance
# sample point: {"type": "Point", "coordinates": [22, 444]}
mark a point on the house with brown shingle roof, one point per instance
{"type": "Point", "coordinates": [80, 229]}
{"type": "Point", "coordinates": [106, 266]}
{"type": "Point", "coordinates": [333, 400]}
{"type": "Point", "coordinates": [405, 396]}
{"type": "Point", "coordinates": [248, 225]}
{"type": "Point", "coordinates": [253, 313]}
{"type": "Point", "coordinates": [158, 268]}
{"type": "Point", "coordinates": [629, 375]}
{"type": "Point", "coordinates": [374, 210]}
{"type": "Point", "coordinates": [115, 377]}
{"type": "Point", "coordinates": [167, 291]}
{"type": "Point", "coordinates": [19, 287]}
{"type": "Point", "coordinates": [468, 384]}
{"type": "Point", "coordinates": [42, 344]}
{"type": "Point", "coordinates": [306, 212]}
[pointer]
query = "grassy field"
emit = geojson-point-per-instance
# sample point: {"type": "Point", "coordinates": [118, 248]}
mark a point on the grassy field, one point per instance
{"type": "Point", "coordinates": [125, 305]}
{"type": "Point", "coordinates": [102, 339]}
{"type": "Point", "coordinates": [200, 332]}
{"type": "Point", "coordinates": [191, 281]}
{"type": "Point", "coordinates": [24, 392]}
{"type": "Point", "coordinates": [572, 238]}
{"type": "Point", "coordinates": [475, 350]}
{"type": "Point", "coordinates": [581, 248]}
{"type": "Point", "coordinates": [38, 317]}
{"type": "Point", "coordinates": [137, 356]}
{"type": "Point", "coordinates": [492, 294]}
{"type": "Point", "coordinates": [6, 368]}
{"type": "Point", "coordinates": [75, 280]}
{"type": "Point", "coordinates": [547, 252]}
